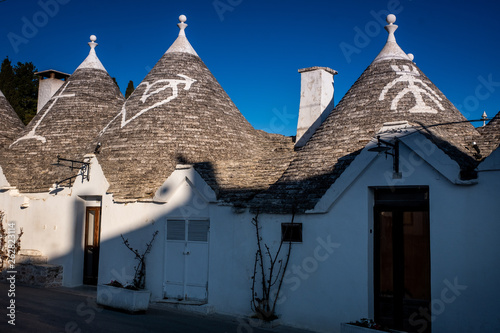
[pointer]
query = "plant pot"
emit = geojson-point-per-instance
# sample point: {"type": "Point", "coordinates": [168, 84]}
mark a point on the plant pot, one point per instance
{"type": "Point", "coordinates": [349, 328]}
{"type": "Point", "coordinates": [123, 299]}
{"type": "Point", "coordinates": [255, 322]}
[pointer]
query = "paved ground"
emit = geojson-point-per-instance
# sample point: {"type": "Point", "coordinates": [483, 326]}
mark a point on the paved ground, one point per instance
{"type": "Point", "coordinates": [74, 310]}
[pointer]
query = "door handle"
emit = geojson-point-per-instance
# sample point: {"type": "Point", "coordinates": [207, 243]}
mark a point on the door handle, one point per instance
{"type": "Point", "coordinates": [186, 253]}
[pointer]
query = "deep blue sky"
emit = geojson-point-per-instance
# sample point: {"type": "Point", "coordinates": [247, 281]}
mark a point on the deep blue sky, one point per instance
{"type": "Point", "coordinates": [255, 47]}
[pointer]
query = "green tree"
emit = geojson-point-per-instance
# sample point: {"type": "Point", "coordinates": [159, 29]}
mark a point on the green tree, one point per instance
{"type": "Point", "coordinates": [7, 79]}
{"type": "Point", "coordinates": [19, 84]}
{"type": "Point", "coordinates": [27, 90]}
{"type": "Point", "coordinates": [130, 89]}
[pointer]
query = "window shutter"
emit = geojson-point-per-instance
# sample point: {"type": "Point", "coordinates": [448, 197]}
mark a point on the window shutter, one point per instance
{"type": "Point", "coordinates": [198, 231]}
{"type": "Point", "coordinates": [176, 230]}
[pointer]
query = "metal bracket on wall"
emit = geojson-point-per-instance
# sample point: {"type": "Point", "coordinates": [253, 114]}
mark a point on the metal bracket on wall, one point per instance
{"type": "Point", "coordinates": [83, 166]}
{"type": "Point", "coordinates": [385, 149]}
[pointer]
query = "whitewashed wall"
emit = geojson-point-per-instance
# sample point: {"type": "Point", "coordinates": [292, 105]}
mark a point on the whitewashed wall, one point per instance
{"type": "Point", "coordinates": [322, 294]}
{"type": "Point", "coordinates": [52, 224]}
{"type": "Point", "coordinates": [325, 284]}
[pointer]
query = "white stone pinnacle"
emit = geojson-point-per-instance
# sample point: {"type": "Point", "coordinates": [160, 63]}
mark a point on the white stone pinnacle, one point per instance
{"type": "Point", "coordinates": [391, 27]}
{"type": "Point", "coordinates": [92, 61]}
{"type": "Point", "coordinates": [182, 25]}
{"type": "Point", "coordinates": [181, 44]}
{"type": "Point", "coordinates": [92, 42]}
{"type": "Point", "coordinates": [391, 49]}
{"type": "Point", "coordinates": [484, 117]}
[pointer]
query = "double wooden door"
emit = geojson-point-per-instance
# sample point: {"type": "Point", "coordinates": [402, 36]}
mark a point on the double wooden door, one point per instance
{"type": "Point", "coordinates": [402, 258]}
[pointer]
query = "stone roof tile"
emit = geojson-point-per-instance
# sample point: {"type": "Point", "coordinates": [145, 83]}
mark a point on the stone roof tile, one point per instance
{"type": "Point", "coordinates": [10, 124]}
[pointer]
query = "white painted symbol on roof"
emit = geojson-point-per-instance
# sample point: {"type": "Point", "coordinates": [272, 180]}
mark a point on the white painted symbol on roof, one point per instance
{"type": "Point", "coordinates": [153, 89]}
{"type": "Point", "coordinates": [32, 134]}
{"type": "Point", "coordinates": [416, 87]}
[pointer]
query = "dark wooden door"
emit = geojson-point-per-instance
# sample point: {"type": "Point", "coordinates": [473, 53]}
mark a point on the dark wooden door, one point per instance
{"type": "Point", "coordinates": [91, 249]}
{"type": "Point", "coordinates": [402, 259]}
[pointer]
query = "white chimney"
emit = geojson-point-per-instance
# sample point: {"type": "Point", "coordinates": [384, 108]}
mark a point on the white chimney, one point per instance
{"type": "Point", "coordinates": [50, 82]}
{"type": "Point", "coordinates": [316, 101]}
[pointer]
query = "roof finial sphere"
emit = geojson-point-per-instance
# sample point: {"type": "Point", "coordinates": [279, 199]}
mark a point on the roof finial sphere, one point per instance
{"type": "Point", "coordinates": [411, 56]}
{"type": "Point", "coordinates": [93, 38]}
{"type": "Point", "coordinates": [182, 18]}
{"type": "Point", "coordinates": [391, 18]}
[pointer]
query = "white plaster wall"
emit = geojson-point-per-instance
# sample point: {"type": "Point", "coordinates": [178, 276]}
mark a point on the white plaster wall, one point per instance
{"type": "Point", "coordinates": [464, 247]}
{"type": "Point", "coordinates": [52, 224]}
{"type": "Point", "coordinates": [327, 279]}
{"type": "Point", "coordinates": [4, 184]}
{"type": "Point", "coordinates": [324, 286]}
{"type": "Point", "coordinates": [322, 294]}
{"type": "Point", "coordinates": [139, 220]}
{"type": "Point", "coordinates": [463, 228]}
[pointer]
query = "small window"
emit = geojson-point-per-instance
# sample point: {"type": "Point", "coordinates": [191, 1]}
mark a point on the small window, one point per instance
{"type": "Point", "coordinates": [198, 231]}
{"type": "Point", "coordinates": [291, 232]}
{"type": "Point", "coordinates": [176, 230]}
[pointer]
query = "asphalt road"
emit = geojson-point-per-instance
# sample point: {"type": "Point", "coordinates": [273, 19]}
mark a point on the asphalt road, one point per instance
{"type": "Point", "coordinates": [75, 311]}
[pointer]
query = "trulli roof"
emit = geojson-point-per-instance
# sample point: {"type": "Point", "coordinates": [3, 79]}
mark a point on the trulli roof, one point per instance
{"type": "Point", "coordinates": [179, 113]}
{"type": "Point", "coordinates": [67, 126]}
{"type": "Point", "coordinates": [391, 89]}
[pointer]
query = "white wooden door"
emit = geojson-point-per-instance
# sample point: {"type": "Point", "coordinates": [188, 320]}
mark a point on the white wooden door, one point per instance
{"type": "Point", "coordinates": [186, 260]}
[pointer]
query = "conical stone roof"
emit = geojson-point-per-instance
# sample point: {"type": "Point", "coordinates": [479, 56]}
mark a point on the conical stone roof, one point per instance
{"type": "Point", "coordinates": [490, 135]}
{"type": "Point", "coordinates": [180, 114]}
{"type": "Point", "coordinates": [10, 124]}
{"type": "Point", "coordinates": [391, 89]}
{"type": "Point", "coordinates": [67, 126]}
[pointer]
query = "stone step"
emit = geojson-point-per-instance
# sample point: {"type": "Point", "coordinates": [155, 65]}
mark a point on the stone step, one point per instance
{"type": "Point", "coordinates": [30, 252]}
{"type": "Point", "coordinates": [26, 260]}
{"type": "Point", "coordinates": [40, 275]}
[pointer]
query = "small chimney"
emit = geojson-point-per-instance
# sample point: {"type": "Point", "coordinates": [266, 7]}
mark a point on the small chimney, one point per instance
{"type": "Point", "coordinates": [50, 82]}
{"type": "Point", "coordinates": [316, 101]}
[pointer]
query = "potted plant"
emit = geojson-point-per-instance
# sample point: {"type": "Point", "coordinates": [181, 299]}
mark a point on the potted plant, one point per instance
{"type": "Point", "coordinates": [131, 297]}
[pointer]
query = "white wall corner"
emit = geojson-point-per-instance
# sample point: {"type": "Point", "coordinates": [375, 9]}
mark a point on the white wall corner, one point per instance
{"type": "Point", "coordinates": [492, 162]}
{"type": "Point", "coordinates": [4, 183]}
{"type": "Point", "coordinates": [346, 179]}
{"type": "Point", "coordinates": [97, 184]}
{"type": "Point", "coordinates": [184, 174]}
